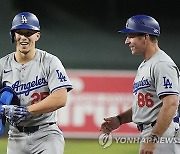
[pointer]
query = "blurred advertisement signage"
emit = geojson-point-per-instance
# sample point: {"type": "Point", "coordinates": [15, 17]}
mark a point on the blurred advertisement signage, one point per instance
{"type": "Point", "coordinates": [96, 94]}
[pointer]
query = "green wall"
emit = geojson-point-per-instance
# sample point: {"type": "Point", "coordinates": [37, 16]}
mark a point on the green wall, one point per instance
{"type": "Point", "coordinates": [84, 35]}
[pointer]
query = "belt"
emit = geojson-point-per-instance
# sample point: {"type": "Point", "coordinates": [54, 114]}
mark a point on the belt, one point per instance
{"type": "Point", "coordinates": [141, 127]}
{"type": "Point", "coordinates": [32, 129]}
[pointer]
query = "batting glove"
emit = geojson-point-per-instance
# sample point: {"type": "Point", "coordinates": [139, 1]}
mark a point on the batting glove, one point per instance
{"type": "Point", "coordinates": [20, 114]}
{"type": "Point", "coordinates": [15, 114]}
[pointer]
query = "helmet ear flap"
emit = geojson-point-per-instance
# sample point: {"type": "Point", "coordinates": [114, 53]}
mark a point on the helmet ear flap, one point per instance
{"type": "Point", "coordinates": [12, 35]}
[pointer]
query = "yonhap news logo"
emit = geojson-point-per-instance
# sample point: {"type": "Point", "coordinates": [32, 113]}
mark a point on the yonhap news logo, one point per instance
{"type": "Point", "coordinates": [106, 140]}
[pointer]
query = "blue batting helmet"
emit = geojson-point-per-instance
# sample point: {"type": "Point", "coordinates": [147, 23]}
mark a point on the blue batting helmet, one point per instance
{"type": "Point", "coordinates": [24, 20]}
{"type": "Point", "coordinates": [142, 24]}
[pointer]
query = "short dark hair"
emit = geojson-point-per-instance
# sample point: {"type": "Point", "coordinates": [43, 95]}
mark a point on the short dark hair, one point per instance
{"type": "Point", "coordinates": [153, 38]}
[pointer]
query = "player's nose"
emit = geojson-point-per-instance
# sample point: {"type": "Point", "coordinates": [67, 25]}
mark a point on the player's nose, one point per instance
{"type": "Point", "coordinates": [23, 38]}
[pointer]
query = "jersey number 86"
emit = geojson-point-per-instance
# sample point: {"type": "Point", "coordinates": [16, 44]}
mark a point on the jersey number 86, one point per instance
{"type": "Point", "coordinates": [145, 100]}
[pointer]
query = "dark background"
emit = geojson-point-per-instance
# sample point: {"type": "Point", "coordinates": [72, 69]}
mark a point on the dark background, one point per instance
{"type": "Point", "coordinates": [83, 33]}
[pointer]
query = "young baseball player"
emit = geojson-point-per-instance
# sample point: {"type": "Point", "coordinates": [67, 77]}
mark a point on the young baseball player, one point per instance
{"type": "Point", "coordinates": [155, 90]}
{"type": "Point", "coordinates": [41, 84]}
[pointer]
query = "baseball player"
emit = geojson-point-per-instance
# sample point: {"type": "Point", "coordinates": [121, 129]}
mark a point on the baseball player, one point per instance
{"type": "Point", "coordinates": [155, 90]}
{"type": "Point", "coordinates": [41, 84]}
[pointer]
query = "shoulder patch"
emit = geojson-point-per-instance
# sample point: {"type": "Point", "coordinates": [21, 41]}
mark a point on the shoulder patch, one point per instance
{"type": "Point", "coordinates": [167, 83]}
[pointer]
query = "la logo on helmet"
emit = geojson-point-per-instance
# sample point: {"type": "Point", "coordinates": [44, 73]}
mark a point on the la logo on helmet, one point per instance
{"type": "Point", "coordinates": [23, 19]}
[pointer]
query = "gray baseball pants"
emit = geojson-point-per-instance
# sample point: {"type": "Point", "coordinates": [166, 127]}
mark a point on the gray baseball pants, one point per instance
{"type": "Point", "coordinates": [47, 140]}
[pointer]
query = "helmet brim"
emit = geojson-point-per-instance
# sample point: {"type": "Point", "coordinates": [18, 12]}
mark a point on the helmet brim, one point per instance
{"type": "Point", "coordinates": [31, 27]}
{"type": "Point", "coordinates": [126, 30]}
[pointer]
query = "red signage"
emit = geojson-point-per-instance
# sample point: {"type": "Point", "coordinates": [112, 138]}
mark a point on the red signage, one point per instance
{"type": "Point", "coordinates": [96, 94]}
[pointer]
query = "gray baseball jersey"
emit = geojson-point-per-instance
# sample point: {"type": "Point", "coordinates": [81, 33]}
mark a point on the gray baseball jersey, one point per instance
{"type": "Point", "coordinates": [155, 77]}
{"type": "Point", "coordinates": [34, 81]}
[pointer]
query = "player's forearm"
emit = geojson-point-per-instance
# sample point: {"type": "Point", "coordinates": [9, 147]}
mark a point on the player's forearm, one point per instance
{"type": "Point", "coordinates": [166, 114]}
{"type": "Point", "coordinates": [51, 103]}
{"type": "Point", "coordinates": [126, 116]}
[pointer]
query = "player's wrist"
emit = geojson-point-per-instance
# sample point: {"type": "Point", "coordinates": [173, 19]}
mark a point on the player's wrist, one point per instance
{"type": "Point", "coordinates": [119, 119]}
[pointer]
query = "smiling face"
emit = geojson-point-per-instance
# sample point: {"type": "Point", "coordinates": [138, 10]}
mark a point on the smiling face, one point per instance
{"type": "Point", "coordinates": [25, 40]}
{"type": "Point", "coordinates": [136, 42]}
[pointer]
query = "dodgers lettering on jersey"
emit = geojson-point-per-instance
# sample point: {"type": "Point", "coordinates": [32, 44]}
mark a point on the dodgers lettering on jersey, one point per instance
{"type": "Point", "coordinates": [34, 81]}
{"type": "Point", "coordinates": [143, 83]}
{"type": "Point", "coordinates": [25, 88]}
{"type": "Point", "coordinates": [156, 77]}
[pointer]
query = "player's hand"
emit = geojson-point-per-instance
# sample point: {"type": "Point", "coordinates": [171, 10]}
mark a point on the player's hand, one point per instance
{"type": "Point", "coordinates": [148, 148]}
{"type": "Point", "coordinates": [15, 114]}
{"type": "Point", "coordinates": [110, 124]}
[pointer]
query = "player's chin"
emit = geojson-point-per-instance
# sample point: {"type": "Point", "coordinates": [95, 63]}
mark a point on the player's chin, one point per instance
{"type": "Point", "coordinates": [24, 51]}
{"type": "Point", "coordinates": [134, 52]}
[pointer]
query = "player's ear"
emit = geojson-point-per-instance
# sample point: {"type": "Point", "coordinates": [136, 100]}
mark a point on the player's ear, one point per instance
{"type": "Point", "coordinates": [38, 35]}
{"type": "Point", "coordinates": [146, 35]}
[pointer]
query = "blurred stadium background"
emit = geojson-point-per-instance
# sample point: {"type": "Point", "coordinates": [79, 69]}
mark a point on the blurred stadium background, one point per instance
{"type": "Point", "coordinates": [83, 34]}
